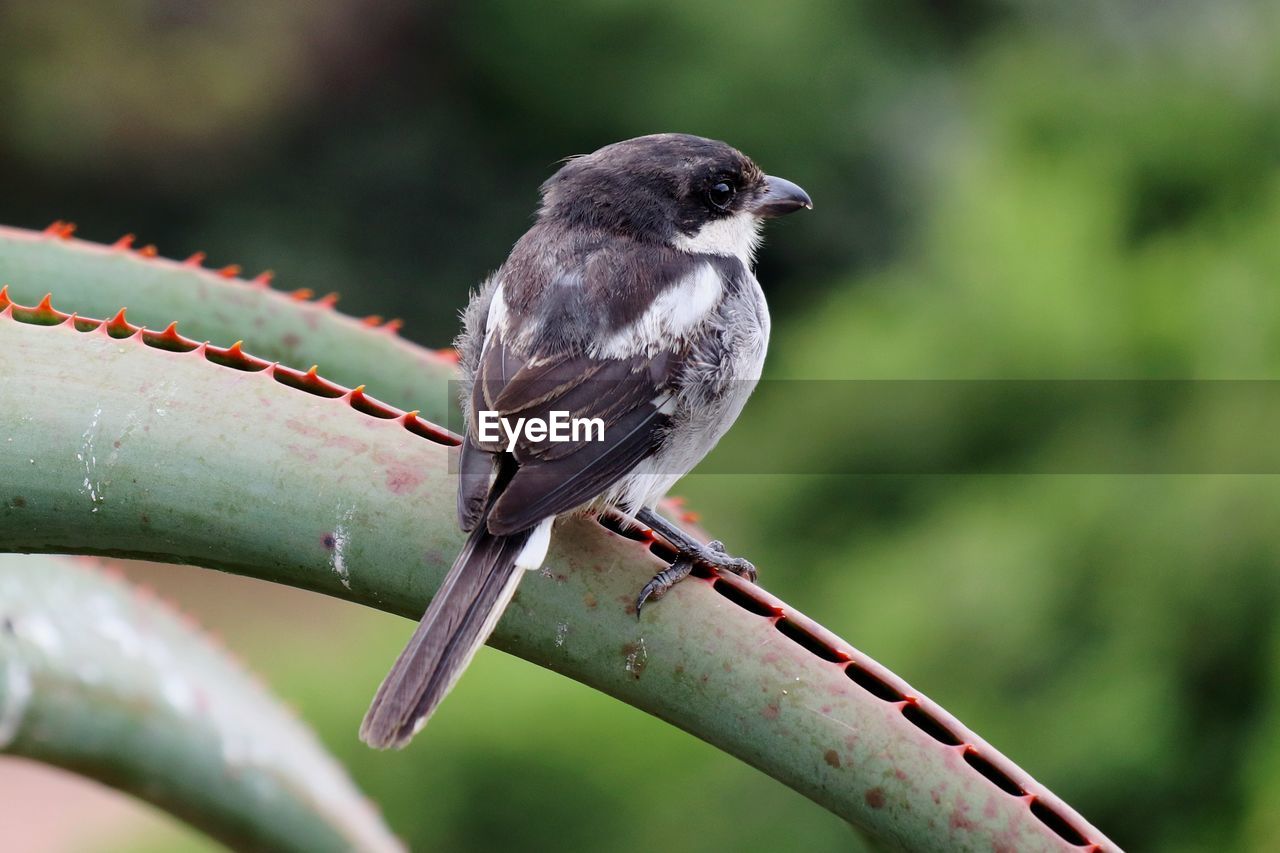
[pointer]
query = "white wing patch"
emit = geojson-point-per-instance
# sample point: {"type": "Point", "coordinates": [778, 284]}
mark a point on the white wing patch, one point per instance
{"type": "Point", "coordinates": [733, 236]}
{"type": "Point", "coordinates": [671, 317]}
{"type": "Point", "coordinates": [497, 320]}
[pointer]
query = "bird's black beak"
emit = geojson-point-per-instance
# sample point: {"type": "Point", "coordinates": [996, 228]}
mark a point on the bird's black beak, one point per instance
{"type": "Point", "coordinates": [780, 198]}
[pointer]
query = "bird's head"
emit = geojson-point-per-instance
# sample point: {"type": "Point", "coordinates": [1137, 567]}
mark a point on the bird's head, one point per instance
{"type": "Point", "coordinates": [697, 195]}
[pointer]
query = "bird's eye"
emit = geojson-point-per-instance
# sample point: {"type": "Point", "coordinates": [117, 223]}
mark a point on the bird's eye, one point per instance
{"type": "Point", "coordinates": [721, 194]}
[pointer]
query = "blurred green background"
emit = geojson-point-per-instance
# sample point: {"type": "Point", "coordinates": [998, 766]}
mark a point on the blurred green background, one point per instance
{"type": "Point", "coordinates": [1003, 188]}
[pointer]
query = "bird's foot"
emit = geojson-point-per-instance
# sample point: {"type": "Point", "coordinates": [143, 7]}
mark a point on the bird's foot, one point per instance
{"type": "Point", "coordinates": [712, 554]}
{"type": "Point", "coordinates": [715, 556]}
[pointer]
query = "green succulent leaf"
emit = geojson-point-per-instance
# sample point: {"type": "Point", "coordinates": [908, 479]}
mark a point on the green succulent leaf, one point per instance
{"type": "Point", "coordinates": [114, 446]}
{"type": "Point", "coordinates": [101, 680]}
{"type": "Point", "coordinates": [221, 307]}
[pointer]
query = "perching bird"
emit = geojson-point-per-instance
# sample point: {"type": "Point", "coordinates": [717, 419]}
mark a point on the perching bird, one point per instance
{"type": "Point", "coordinates": [632, 299]}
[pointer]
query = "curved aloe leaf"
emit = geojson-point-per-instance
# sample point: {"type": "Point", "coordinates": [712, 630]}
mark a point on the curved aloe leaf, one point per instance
{"type": "Point", "coordinates": [102, 681]}
{"type": "Point", "coordinates": [219, 306]}
{"type": "Point", "coordinates": [117, 447]}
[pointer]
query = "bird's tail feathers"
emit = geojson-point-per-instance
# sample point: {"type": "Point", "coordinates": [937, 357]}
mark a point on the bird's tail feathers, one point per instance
{"type": "Point", "coordinates": [464, 612]}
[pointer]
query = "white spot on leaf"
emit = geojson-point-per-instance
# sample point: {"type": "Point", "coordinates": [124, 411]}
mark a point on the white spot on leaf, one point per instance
{"type": "Point", "coordinates": [341, 540]}
{"type": "Point", "coordinates": [87, 456]}
{"type": "Point", "coordinates": [13, 705]}
{"type": "Point", "coordinates": [637, 659]}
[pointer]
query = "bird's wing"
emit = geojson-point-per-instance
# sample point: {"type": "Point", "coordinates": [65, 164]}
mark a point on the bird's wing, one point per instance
{"type": "Point", "coordinates": [601, 332]}
{"type": "Point", "coordinates": [629, 396]}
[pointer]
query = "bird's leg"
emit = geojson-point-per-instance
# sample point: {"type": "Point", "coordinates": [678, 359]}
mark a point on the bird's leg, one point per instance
{"type": "Point", "coordinates": [711, 554]}
{"type": "Point", "coordinates": [689, 552]}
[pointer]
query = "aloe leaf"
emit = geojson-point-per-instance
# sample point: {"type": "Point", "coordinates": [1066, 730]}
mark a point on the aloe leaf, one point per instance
{"type": "Point", "coordinates": [222, 307]}
{"type": "Point", "coordinates": [99, 679]}
{"type": "Point", "coordinates": [114, 446]}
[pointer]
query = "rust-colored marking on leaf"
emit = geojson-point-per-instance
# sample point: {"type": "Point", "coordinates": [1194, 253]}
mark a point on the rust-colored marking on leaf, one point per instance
{"type": "Point", "coordinates": [230, 271]}
{"type": "Point", "coordinates": [124, 243]}
{"type": "Point", "coordinates": [149, 251]}
{"type": "Point", "coordinates": [328, 300]}
{"type": "Point", "coordinates": [233, 356]}
{"type": "Point", "coordinates": [195, 260]}
{"type": "Point", "coordinates": [263, 279]}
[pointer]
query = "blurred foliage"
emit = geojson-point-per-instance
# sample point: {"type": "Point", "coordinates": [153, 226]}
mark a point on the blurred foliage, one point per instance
{"type": "Point", "coordinates": [1004, 188]}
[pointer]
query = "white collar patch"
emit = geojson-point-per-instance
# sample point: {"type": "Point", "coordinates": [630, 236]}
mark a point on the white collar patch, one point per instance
{"type": "Point", "coordinates": [731, 236]}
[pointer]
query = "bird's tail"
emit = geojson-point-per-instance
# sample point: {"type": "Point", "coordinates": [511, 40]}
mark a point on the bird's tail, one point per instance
{"type": "Point", "coordinates": [477, 589]}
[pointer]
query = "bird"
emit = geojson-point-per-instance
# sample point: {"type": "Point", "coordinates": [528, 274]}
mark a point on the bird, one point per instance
{"type": "Point", "coordinates": [631, 303]}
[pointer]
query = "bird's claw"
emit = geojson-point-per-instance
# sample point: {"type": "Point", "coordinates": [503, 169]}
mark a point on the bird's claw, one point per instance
{"type": "Point", "coordinates": [712, 554]}
{"type": "Point", "coordinates": [718, 557]}
{"type": "Point", "coordinates": [660, 583]}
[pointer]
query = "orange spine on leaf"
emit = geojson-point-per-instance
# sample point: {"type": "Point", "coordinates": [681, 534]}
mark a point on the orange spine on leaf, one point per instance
{"type": "Point", "coordinates": [60, 229]}
{"type": "Point", "coordinates": [233, 356]}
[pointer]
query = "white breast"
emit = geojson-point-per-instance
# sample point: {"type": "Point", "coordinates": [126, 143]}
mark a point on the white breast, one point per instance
{"type": "Point", "coordinates": [707, 406]}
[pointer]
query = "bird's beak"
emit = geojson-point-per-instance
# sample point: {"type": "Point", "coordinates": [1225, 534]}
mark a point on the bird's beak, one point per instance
{"type": "Point", "coordinates": [780, 198]}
